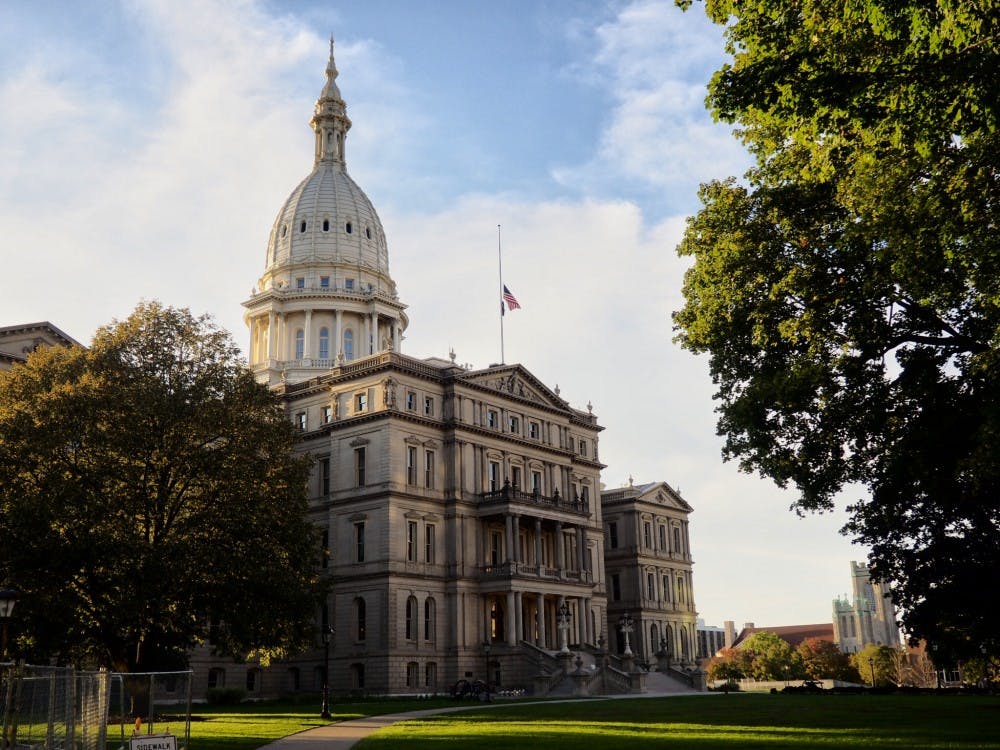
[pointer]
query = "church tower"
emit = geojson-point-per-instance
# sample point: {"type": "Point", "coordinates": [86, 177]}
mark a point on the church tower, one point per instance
{"type": "Point", "coordinates": [326, 297]}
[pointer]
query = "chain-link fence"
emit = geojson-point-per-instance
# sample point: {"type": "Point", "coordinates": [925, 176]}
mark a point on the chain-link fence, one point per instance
{"type": "Point", "coordinates": [151, 705]}
{"type": "Point", "coordinates": [59, 708]}
{"type": "Point", "coordinates": [53, 708]}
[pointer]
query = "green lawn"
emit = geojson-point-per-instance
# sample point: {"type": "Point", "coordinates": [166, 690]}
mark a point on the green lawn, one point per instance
{"type": "Point", "coordinates": [250, 725]}
{"type": "Point", "coordinates": [724, 722]}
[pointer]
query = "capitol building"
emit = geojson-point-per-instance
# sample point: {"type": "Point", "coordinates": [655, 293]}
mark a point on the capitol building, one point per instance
{"type": "Point", "coordinates": [460, 509]}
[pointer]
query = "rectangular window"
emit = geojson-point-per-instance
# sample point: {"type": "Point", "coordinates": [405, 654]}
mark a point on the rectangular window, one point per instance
{"type": "Point", "coordinates": [327, 414]}
{"type": "Point", "coordinates": [360, 402]}
{"type": "Point", "coordinates": [300, 420]}
{"type": "Point", "coordinates": [647, 534]}
{"type": "Point", "coordinates": [533, 430]}
{"type": "Point", "coordinates": [411, 400]}
{"type": "Point", "coordinates": [536, 482]}
{"type": "Point", "coordinates": [429, 469]}
{"type": "Point", "coordinates": [650, 586]}
{"type": "Point", "coordinates": [359, 467]}
{"type": "Point", "coordinates": [300, 283]}
{"type": "Point", "coordinates": [411, 541]}
{"type": "Point", "coordinates": [428, 406]}
{"type": "Point", "coordinates": [349, 284]}
{"type": "Point", "coordinates": [359, 541]}
{"type": "Point", "coordinates": [515, 477]}
{"type": "Point", "coordinates": [613, 535]}
{"type": "Point", "coordinates": [492, 418]}
{"type": "Point", "coordinates": [583, 447]}
{"type": "Point", "coordinates": [496, 541]}
{"type": "Point", "coordinates": [429, 543]}
{"type": "Point", "coordinates": [616, 588]}
{"type": "Point", "coordinates": [666, 588]}
{"type": "Point", "coordinates": [411, 465]}
{"type": "Point", "coordinates": [324, 476]}
{"type": "Point", "coordinates": [663, 537]}
{"type": "Point", "coordinates": [494, 476]}
{"type": "Point", "coordinates": [514, 425]}
{"type": "Point", "coordinates": [585, 494]}
{"type": "Point", "coordinates": [324, 282]}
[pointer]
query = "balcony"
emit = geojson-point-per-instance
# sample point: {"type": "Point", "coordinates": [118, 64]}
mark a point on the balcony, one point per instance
{"type": "Point", "coordinates": [512, 495]}
{"type": "Point", "coordinates": [510, 570]}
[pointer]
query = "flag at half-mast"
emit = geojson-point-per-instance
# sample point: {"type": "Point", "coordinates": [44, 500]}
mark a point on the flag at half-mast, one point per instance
{"type": "Point", "coordinates": [510, 299]}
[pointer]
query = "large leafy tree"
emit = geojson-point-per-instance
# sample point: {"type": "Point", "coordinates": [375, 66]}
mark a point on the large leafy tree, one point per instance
{"type": "Point", "coordinates": [149, 491]}
{"type": "Point", "coordinates": [822, 659]}
{"type": "Point", "coordinates": [848, 290]}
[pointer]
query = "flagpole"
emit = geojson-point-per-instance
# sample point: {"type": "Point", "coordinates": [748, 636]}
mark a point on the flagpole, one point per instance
{"type": "Point", "coordinates": [500, 266]}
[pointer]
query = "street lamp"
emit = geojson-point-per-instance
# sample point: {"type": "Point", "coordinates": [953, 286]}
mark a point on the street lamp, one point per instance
{"type": "Point", "coordinates": [327, 637]}
{"type": "Point", "coordinates": [486, 649]}
{"type": "Point", "coordinates": [625, 624]}
{"type": "Point", "coordinates": [8, 597]}
{"type": "Point", "coordinates": [563, 617]}
{"type": "Point", "coordinates": [871, 665]}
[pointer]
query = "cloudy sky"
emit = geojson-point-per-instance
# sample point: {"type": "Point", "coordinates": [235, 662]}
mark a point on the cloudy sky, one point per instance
{"type": "Point", "coordinates": [146, 147]}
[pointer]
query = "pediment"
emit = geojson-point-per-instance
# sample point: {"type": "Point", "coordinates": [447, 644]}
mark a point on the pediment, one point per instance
{"type": "Point", "coordinates": [515, 381]}
{"type": "Point", "coordinates": [664, 495]}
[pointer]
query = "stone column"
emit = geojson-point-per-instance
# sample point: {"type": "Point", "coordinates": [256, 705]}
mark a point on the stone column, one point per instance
{"type": "Point", "coordinates": [519, 615]}
{"type": "Point", "coordinates": [376, 345]}
{"type": "Point", "coordinates": [271, 317]}
{"type": "Point", "coordinates": [588, 621]}
{"type": "Point", "coordinates": [307, 336]}
{"type": "Point", "coordinates": [509, 521]}
{"type": "Point", "coordinates": [511, 620]}
{"type": "Point", "coordinates": [517, 538]}
{"type": "Point", "coordinates": [538, 545]}
{"type": "Point", "coordinates": [540, 615]}
{"type": "Point", "coordinates": [580, 552]}
{"type": "Point", "coordinates": [560, 548]}
{"type": "Point", "coordinates": [338, 336]}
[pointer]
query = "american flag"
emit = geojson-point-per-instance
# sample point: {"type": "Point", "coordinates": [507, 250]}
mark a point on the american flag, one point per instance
{"type": "Point", "coordinates": [510, 299]}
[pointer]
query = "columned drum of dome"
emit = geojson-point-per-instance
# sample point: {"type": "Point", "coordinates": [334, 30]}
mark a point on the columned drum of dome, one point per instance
{"type": "Point", "coordinates": [325, 297]}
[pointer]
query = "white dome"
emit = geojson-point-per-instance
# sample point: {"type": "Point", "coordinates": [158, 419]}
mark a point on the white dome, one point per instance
{"type": "Point", "coordinates": [328, 221]}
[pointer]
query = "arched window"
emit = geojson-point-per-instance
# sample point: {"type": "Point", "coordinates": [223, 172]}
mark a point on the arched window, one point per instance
{"type": "Point", "coordinates": [654, 639]}
{"type": "Point", "coordinates": [412, 674]}
{"type": "Point", "coordinates": [411, 618]}
{"type": "Point", "coordinates": [430, 674]}
{"type": "Point", "coordinates": [253, 680]}
{"type": "Point", "coordinates": [300, 344]}
{"type": "Point", "coordinates": [293, 679]}
{"type": "Point", "coordinates": [302, 226]}
{"type": "Point", "coordinates": [326, 225]}
{"type": "Point", "coordinates": [360, 619]}
{"type": "Point", "coordinates": [429, 617]}
{"type": "Point", "coordinates": [668, 634]}
{"type": "Point", "coordinates": [348, 344]}
{"type": "Point", "coordinates": [680, 590]}
{"type": "Point", "coordinates": [324, 343]}
{"type": "Point", "coordinates": [348, 228]}
{"type": "Point", "coordinates": [216, 678]}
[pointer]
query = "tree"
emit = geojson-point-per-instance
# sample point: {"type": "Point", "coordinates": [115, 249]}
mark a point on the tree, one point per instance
{"type": "Point", "coordinates": [149, 492]}
{"type": "Point", "coordinates": [772, 658]}
{"type": "Point", "coordinates": [881, 659]}
{"type": "Point", "coordinates": [731, 664]}
{"type": "Point", "coordinates": [823, 660]}
{"type": "Point", "coordinates": [847, 292]}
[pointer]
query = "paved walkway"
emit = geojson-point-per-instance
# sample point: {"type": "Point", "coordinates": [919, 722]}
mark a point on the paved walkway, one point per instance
{"type": "Point", "coordinates": [345, 734]}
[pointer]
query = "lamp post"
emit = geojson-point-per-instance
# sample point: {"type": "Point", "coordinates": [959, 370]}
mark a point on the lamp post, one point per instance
{"type": "Point", "coordinates": [8, 597]}
{"type": "Point", "coordinates": [625, 623]}
{"type": "Point", "coordinates": [871, 665]}
{"type": "Point", "coordinates": [327, 637]}
{"type": "Point", "coordinates": [486, 649]}
{"type": "Point", "coordinates": [563, 617]}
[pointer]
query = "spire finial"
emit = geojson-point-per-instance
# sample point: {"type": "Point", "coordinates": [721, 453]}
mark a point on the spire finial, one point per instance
{"type": "Point", "coordinates": [331, 66]}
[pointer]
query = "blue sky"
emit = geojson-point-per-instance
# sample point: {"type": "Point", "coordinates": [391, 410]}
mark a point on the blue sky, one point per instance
{"type": "Point", "coordinates": [146, 147]}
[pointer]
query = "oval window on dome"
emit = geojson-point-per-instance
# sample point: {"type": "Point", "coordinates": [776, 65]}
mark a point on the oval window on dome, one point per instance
{"type": "Point", "coordinates": [284, 229]}
{"type": "Point", "coordinates": [348, 228]}
{"type": "Point", "coordinates": [326, 225]}
{"type": "Point", "coordinates": [368, 232]}
{"type": "Point", "coordinates": [302, 227]}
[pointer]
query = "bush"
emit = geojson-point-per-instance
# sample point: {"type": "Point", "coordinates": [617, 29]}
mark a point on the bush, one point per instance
{"type": "Point", "coordinates": [226, 696]}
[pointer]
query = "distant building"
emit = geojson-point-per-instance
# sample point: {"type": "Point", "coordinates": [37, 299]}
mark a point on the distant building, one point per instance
{"type": "Point", "coordinates": [18, 341]}
{"type": "Point", "coordinates": [647, 559]}
{"type": "Point", "coordinates": [793, 635]}
{"type": "Point", "coordinates": [711, 639]}
{"type": "Point", "coordinates": [867, 617]}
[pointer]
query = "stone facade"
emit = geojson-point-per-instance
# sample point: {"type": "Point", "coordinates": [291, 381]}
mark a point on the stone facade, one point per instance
{"type": "Point", "coordinates": [869, 616]}
{"type": "Point", "coordinates": [648, 563]}
{"type": "Point", "coordinates": [18, 341]}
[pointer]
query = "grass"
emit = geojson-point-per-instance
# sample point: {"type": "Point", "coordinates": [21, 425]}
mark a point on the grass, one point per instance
{"type": "Point", "coordinates": [714, 722]}
{"type": "Point", "coordinates": [248, 726]}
